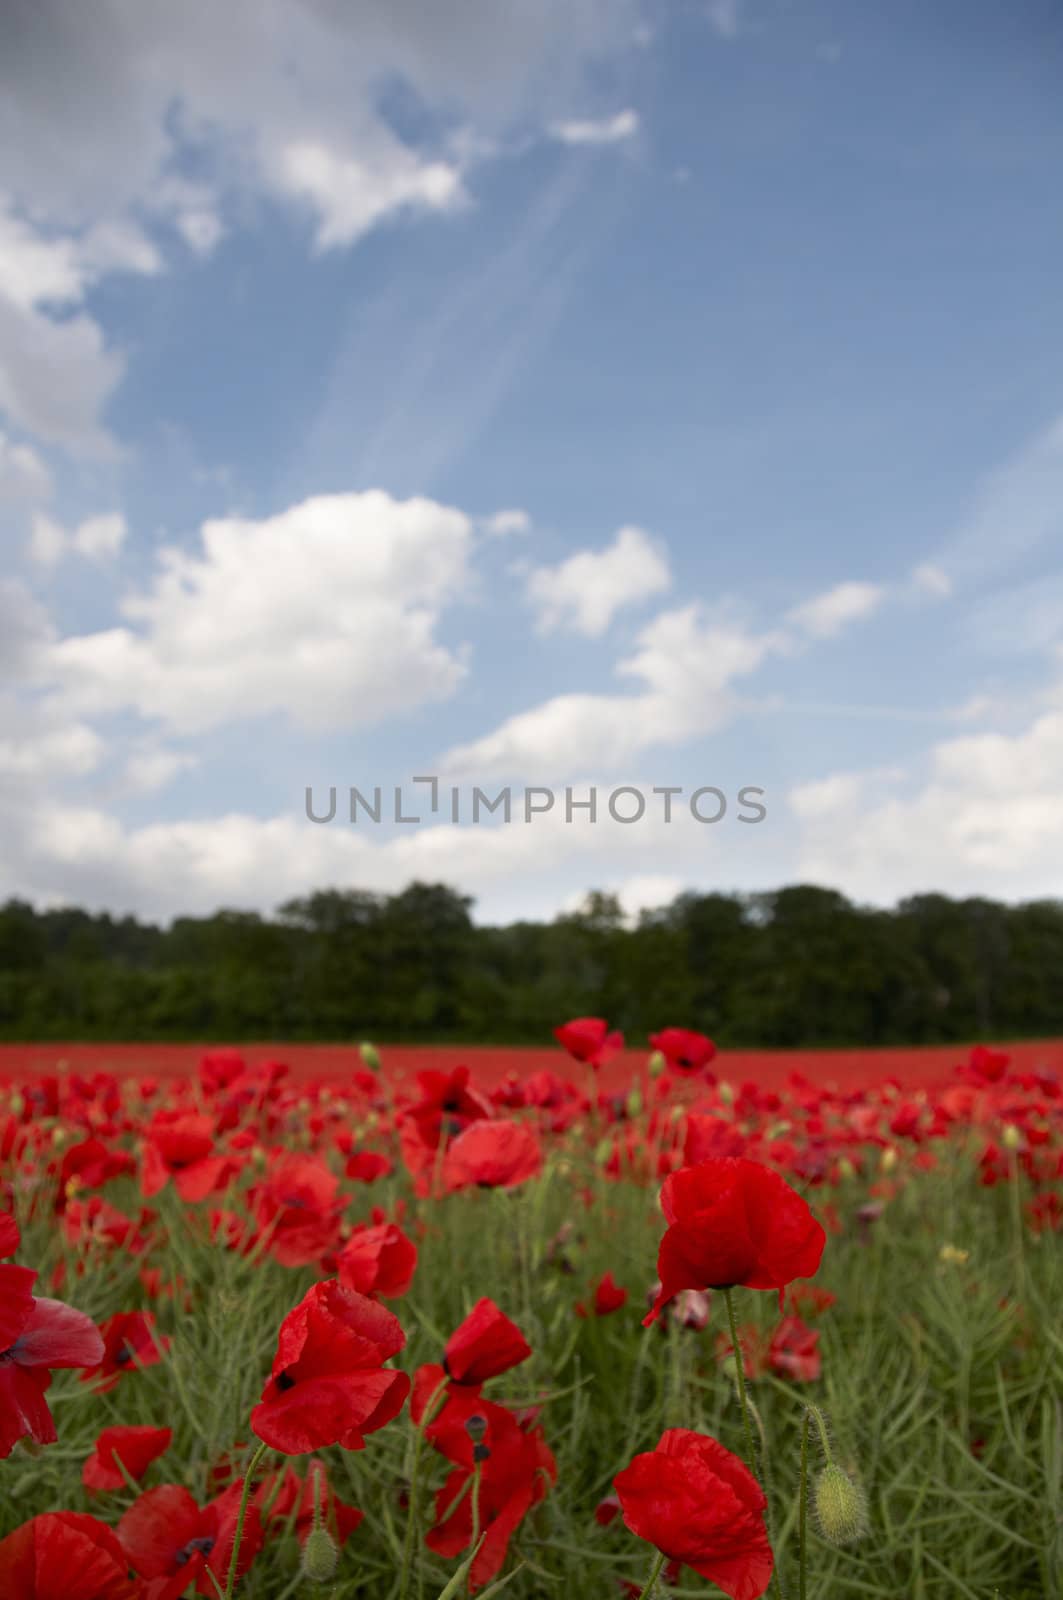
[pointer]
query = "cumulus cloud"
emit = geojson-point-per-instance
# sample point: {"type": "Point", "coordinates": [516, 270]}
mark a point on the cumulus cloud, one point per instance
{"type": "Point", "coordinates": [929, 579]}
{"type": "Point", "coordinates": [325, 613]}
{"type": "Point", "coordinates": [985, 819]}
{"type": "Point", "coordinates": [350, 195]}
{"type": "Point", "coordinates": [827, 614]}
{"type": "Point", "coordinates": [686, 662]}
{"type": "Point", "coordinates": [584, 593]}
{"type": "Point", "coordinates": [604, 130]}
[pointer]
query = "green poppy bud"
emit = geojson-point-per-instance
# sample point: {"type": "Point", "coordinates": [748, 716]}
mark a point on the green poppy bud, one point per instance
{"type": "Point", "coordinates": [371, 1056]}
{"type": "Point", "coordinates": [841, 1506]}
{"type": "Point", "coordinates": [320, 1556]}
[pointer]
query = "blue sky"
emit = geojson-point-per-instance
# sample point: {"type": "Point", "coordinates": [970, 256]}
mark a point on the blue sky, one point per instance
{"type": "Point", "coordinates": [574, 393]}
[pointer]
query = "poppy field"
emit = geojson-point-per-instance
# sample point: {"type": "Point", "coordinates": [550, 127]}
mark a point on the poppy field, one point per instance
{"type": "Point", "coordinates": [624, 1324]}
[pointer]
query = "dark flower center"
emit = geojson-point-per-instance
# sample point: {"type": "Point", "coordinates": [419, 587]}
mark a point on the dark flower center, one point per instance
{"type": "Point", "coordinates": [195, 1547]}
{"type": "Point", "coordinates": [123, 1356]}
{"type": "Point", "coordinates": [285, 1381]}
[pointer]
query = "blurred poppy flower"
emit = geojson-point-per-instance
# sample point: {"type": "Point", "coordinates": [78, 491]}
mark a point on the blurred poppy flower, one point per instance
{"type": "Point", "coordinates": [492, 1155]}
{"type": "Point", "coordinates": [136, 1448]}
{"type": "Point", "coordinates": [171, 1542]}
{"type": "Point", "coordinates": [684, 1051]}
{"type": "Point", "coordinates": [378, 1261]}
{"type": "Point", "coordinates": [36, 1335]}
{"type": "Point", "coordinates": [733, 1221]}
{"type": "Point", "coordinates": [180, 1146]}
{"type": "Point", "coordinates": [699, 1505]}
{"type": "Point", "coordinates": [64, 1555]}
{"type": "Point", "coordinates": [587, 1039]}
{"type": "Point", "coordinates": [129, 1341]}
{"type": "Point", "coordinates": [608, 1296]}
{"type": "Point", "coordinates": [329, 1384]}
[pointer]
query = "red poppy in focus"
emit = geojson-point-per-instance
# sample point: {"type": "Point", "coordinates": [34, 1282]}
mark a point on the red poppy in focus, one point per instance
{"type": "Point", "coordinates": [378, 1260]}
{"type": "Point", "coordinates": [588, 1039]}
{"type": "Point", "coordinates": [482, 1347]}
{"type": "Point", "coordinates": [129, 1342]}
{"type": "Point", "coordinates": [171, 1542]}
{"type": "Point", "coordinates": [608, 1296]}
{"type": "Point", "coordinates": [135, 1448]}
{"type": "Point", "coordinates": [733, 1221]}
{"type": "Point", "coordinates": [516, 1469]}
{"type": "Point", "coordinates": [329, 1384]}
{"type": "Point", "coordinates": [492, 1155]}
{"type": "Point", "coordinates": [699, 1505]}
{"type": "Point", "coordinates": [684, 1051]}
{"type": "Point", "coordinates": [64, 1555]}
{"type": "Point", "coordinates": [35, 1336]}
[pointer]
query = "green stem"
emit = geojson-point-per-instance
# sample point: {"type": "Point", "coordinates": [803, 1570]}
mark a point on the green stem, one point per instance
{"type": "Point", "coordinates": [241, 1517]}
{"type": "Point", "coordinates": [427, 1416]}
{"type": "Point", "coordinates": [655, 1573]}
{"type": "Point", "coordinates": [802, 1526]}
{"type": "Point", "coordinates": [740, 1373]}
{"type": "Point", "coordinates": [475, 1519]}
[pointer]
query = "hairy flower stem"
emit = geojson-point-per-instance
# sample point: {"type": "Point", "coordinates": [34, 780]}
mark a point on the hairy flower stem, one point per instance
{"type": "Point", "coordinates": [802, 1514]}
{"type": "Point", "coordinates": [415, 1474]}
{"type": "Point", "coordinates": [241, 1517]}
{"type": "Point", "coordinates": [474, 1542]}
{"type": "Point", "coordinates": [651, 1581]}
{"type": "Point", "coordinates": [744, 1401]}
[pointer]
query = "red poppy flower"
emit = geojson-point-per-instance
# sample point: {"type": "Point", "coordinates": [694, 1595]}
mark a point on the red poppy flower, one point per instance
{"type": "Point", "coordinates": [794, 1351]}
{"type": "Point", "coordinates": [329, 1383]}
{"type": "Point", "coordinates": [684, 1051]}
{"type": "Point", "coordinates": [181, 1147]}
{"type": "Point", "coordinates": [516, 1469]}
{"type": "Point", "coordinates": [129, 1341]}
{"type": "Point", "coordinates": [136, 1448]}
{"type": "Point", "coordinates": [35, 1336]}
{"type": "Point", "coordinates": [378, 1260]}
{"type": "Point", "coordinates": [89, 1165]}
{"type": "Point", "coordinates": [733, 1221]}
{"type": "Point", "coordinates": [64, 1555]}
{"type": "Point", "coordinates": [699, 1505]}
{"type": "Point", "coordinates": [608, 1297]}
{"type": "Point", "coordinates": [170, 1541]}
{"type": "Point", "coordinates": [298, 1210]}
{"type": "Point", "coordinates": [492, 1155]}
{"type": "Point", "coordinates": [588, 1039]}
{"type": "Point", "coordinates": [367, 1166]}
{"type": "Point", "coordinates": [484, 1345]}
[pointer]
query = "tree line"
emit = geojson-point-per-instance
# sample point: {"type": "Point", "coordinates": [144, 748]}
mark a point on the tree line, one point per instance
{"type": "Point", "coordinates": [799, 966]}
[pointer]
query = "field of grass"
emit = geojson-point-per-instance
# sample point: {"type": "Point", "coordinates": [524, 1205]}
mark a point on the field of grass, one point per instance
{"type": "Point", "coordinates": [928, 1343]}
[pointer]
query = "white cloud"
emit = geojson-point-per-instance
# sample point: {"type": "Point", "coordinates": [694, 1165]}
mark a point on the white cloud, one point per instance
{"type": "Point", "coordinates": [584, 593]}
{"type": "Point", "coordinates": [504, 523]}
{"type": "Point", "coordinates": [325, 613]}
{"type": "Point", "coordinates": [148, 768]}
{"type": "Point", "coordinates": [686, 662]}
{"type": "Point", "coordinates": [931, 580]}
{"type": "Point", "coordinates": [97, 538]}
{"type": "Point", "coordinates": [351, 195]}
{"type": "Point", "coordinates": [986, 820]}
{"type": "Point", "coordinates": [23, 475]}
{"type": "Point", "coordinates": [827, 614]}
{"type": "Point", "coordinates": [604, 130]}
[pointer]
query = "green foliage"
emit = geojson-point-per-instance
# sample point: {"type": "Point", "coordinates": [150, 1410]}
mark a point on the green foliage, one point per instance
{"type": "Point", "coordinates": [801, 966]}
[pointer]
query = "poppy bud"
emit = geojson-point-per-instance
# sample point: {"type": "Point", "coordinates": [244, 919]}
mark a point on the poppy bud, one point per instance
{"type": "Point", "coordinates": [370, 1055]}
{"type": "Point", "coordinates": [655, 1065]}
{"type": "Point", "coordinates": [1011, 1137]}
{"type": "Point", "coordinates": [841, 1506]}
{"type": "Point", "coordinates": [846, 1168]}
{"type": "Point", "coordinates": [634, 1103]}
{"type": "Point", "coordinates": [17, 1104]}
{"type": "Point", "coordinates": [725, 1092]}
{"type": "Point", "coordinates": [889, 1159]}
{"type": "Point", "coordinates": [58, 1136]}
{"type": "Point", "coordinates": [320, 1556]}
